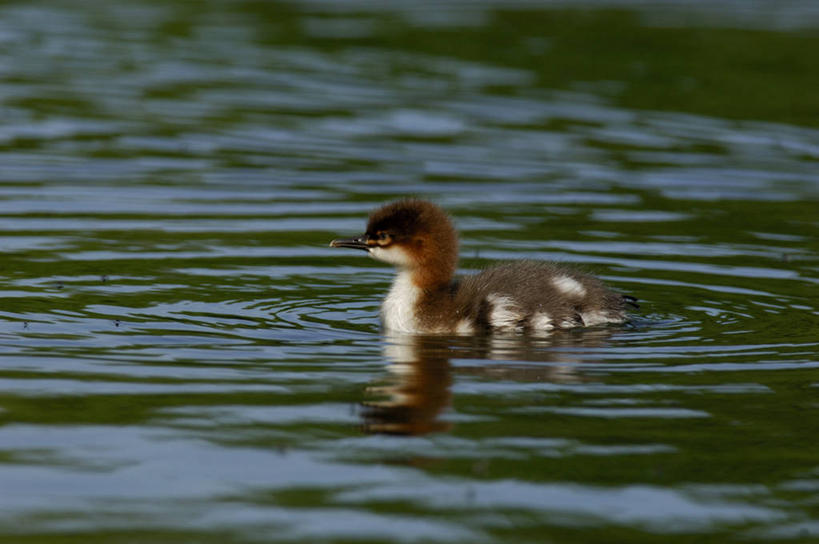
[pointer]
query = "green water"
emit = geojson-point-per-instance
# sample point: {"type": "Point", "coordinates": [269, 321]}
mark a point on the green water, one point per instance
{"type": "Point", "coordinates": [183, 359]}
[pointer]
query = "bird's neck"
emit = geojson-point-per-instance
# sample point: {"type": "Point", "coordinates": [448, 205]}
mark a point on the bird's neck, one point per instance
{"type": "Point", "coordinates": [435, 275]}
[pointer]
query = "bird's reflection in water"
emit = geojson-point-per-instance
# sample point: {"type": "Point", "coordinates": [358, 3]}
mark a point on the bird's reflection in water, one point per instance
{"type": "Point", "coordinates": [410, 399]}
{"type": "Point", "coordinates": [416, 389]}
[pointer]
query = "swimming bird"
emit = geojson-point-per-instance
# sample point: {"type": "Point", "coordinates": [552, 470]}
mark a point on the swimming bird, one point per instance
{"type": "Point", "coordinates": [419, 239]}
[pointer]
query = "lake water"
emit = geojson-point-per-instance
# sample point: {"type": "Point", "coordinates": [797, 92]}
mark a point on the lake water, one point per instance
{"type": "Point", "coordinates": [184, 359]}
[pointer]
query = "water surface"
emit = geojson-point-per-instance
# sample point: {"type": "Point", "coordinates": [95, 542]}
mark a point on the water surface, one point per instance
{"type": "Point", "coordinates": [182, 357]}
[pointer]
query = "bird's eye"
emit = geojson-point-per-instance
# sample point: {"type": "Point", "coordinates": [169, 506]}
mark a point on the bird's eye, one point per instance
{"type": "Point", "coordinates": [383, 236]}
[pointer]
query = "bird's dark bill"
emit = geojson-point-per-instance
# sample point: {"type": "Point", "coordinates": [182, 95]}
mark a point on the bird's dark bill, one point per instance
{"type": "Point", "coordinates": [354, 243]}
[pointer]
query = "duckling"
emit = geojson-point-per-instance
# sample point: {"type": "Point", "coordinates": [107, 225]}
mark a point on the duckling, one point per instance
{"type": "Point", "coordinates": [419, 239]}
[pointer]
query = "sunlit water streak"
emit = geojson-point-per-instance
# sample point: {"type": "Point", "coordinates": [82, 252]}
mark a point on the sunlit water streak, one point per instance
{"type": "Point", "coordinates": [182, 354]}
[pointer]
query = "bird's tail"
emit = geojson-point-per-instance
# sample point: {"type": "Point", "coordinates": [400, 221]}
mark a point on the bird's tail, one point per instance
{"type": "Point", "coordinates": [631, 301]}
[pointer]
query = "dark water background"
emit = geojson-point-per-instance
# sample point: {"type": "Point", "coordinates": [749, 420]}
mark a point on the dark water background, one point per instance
{"type": "Point", "coordinates": [183, 359]}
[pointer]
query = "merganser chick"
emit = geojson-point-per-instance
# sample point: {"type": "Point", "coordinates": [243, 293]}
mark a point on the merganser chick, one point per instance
{"type": "Point", "coordinates": [419, 239]}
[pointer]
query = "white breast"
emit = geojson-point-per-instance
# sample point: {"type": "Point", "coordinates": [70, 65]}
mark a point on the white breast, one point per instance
{"type": "Point", "coordinates": [398, 309]}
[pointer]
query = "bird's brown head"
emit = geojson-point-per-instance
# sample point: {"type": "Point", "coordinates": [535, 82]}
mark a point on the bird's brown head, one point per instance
{"type": "Point", "coordinates": [411, 234]}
